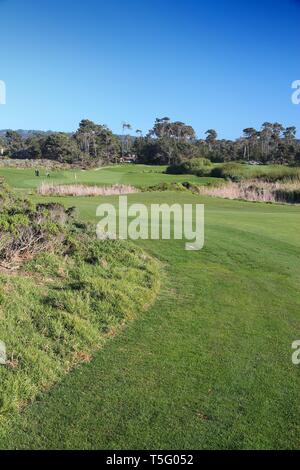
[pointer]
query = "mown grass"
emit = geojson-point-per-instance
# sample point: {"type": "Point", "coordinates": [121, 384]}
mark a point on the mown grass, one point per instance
{"type": "Point", "coordinates": [143, 175]}
{"type": "Point", "coordinates": [210, 365]}
{"type": "Point", "coordinates": [135, 175]}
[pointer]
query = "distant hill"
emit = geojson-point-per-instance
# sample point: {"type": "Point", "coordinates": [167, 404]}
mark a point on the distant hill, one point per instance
{"type": "Point", "coordinates": [25, 133]}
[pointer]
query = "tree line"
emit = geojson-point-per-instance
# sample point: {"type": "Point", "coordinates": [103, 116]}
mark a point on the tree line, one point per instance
{"type": "Point", "coordinates": [168, 142]}
{"type": "Point", "coordinates": [90, 144]}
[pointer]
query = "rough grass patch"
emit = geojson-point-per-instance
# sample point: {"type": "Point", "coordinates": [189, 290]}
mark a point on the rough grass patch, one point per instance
{"type": "Point", "coordinates": [51, 325]}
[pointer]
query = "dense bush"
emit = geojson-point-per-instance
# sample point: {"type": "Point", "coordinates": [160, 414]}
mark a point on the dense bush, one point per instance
{"type": "Point", "coordinates": [232, 171]}
{"type": "Point", "coordinates": [290, 196]}
{"type": "Point", "coordinates": [195, 166]}
{"type": "Point", "coordinates": [26, 230]}
{"type": "Point", "coordinates": [165, 187]}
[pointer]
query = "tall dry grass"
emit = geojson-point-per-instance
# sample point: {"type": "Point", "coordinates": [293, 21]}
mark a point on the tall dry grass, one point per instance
{"type": "Point", "coordinates": [256, 191]}
{"type": "Point", "coordinates": [49, 189]}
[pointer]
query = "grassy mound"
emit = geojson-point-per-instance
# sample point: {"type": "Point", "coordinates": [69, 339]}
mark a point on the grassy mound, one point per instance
{"type": "Point", "coordinates": [63, 298]}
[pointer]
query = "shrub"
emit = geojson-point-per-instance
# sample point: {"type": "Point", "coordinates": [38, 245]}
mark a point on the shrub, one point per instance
{"type": "Point", "coordinates": [165, 187]}
{"type": "Point", "coordinates": [229, 171]}
{"type": "Point", "coordinates": [195, 166]}
{"type": "Point", "coordinates": [26, 230]}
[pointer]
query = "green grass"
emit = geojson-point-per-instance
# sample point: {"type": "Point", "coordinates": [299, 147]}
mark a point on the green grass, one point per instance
{"type": "Point", "coordinates": [272, 172]}
{"type": "Point", "coordinates": [60, 307]}
{"type": "Point", "coordinates": [136, 175]}
{"type": "Point", "coordinates": [209, 366]}
{"type": "Point", "coordinates": [237, 172]}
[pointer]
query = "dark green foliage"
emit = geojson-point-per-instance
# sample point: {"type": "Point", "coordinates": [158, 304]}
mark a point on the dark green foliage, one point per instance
{"type": "Point", "coordinates": [195, 166]}
{"type": "Point", "coordinates": [232, 171]}
{"type": "Point", "coordinates": [272, 144]}
{"type": "Point", "coordinates": [164, 151]}
{"type": "Point", "coordinates": [288, 196]}
{"type": "Point", "coordinates": [26, 230]}
{"type": "Point", "coordinates": [97, 143]}
{"type": "Point", "coordinates": [167, 143]}
{"type": "Point", "coordinates": [91, 145]}
{"type": "Point", "coordinates": [165, 187]}
{"type": "Point", "coordinates": [60, 147]}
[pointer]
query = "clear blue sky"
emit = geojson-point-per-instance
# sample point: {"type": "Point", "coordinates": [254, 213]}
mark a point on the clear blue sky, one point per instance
{"type": "Point", "coordinates": [213, 64]}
